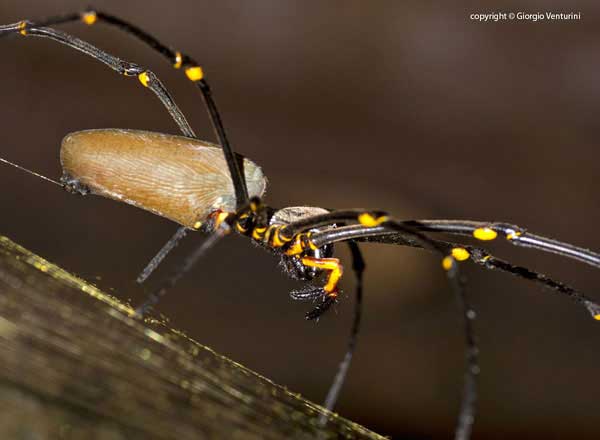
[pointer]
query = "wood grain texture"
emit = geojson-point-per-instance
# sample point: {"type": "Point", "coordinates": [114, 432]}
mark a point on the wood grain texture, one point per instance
{"type": "Point", "coordinates": [74, 364]}
{"type": "Point", "coordinates": [175, 177]}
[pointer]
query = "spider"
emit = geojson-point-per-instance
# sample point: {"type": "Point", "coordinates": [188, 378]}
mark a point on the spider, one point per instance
{"type": "Point", "coordinates": [302, 237]}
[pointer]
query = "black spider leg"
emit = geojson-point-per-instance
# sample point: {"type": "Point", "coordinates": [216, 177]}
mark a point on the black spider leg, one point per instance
{"type": "Point", "coordinates": [333, 217]}
{"type": "Point", "coordinates": [212, 239]}
{"type": "Point", "coordinates": [513, 233]}
{"type": "Point", "coordinates": [484, 231]}
{"type": "Point", "coordinates": [389, 233]}
{"type": "Point", "coordinates": [466, 415]}
{"type": "Point", "coordinates": [194, 73]}
{"type": "Point", "coordinates": [164, 251]}
{"type": "Point", "coordinates": [329, 236]}
{"type": "Point", "coordinates": [383, 234]}
{"type": "Point", "coordinates": [147, 77]}
{"type": "Point", "coordinates": [358, 266]}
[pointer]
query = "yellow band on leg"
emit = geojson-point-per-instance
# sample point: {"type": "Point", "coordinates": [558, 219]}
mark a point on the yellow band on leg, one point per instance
{"type": "Point", "coordinates": [194, 73]}
{"type": "Point", "coordinates": [89, 18]}
{"type": "Point", "coordinates": [331, 264]}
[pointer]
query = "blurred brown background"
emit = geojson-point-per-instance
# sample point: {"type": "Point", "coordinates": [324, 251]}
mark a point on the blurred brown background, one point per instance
{"type": "Point", "coordinates": [405, 106]}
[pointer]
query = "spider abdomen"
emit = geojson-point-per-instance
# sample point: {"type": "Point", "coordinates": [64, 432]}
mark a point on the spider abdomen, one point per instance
{"type": "Point", "coordinates": [179, 178]}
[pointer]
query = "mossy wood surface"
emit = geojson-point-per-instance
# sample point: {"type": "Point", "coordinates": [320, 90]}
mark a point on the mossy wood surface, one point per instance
{"type": "Point", "coordinates": [74, 364]}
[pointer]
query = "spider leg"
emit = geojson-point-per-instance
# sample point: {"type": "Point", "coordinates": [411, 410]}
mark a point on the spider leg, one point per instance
{"type": "Point", "coordinates": [220, 231]}
{"type": "Point", "coordinates": [483, 231]}
{"type": "Point", "coordinates": [466, 415]}
{"type": "Point", "coordinates": [389, 231]}
{"type": "Point", "coordinates": [384, 234]}
{"type": "Point", "coordinates": [316, 239]}
{"type": "Point", "coordinates": [162, 253]}
{"type": "Point", "coordinates": [484, 259]}
{"type": "Point", "coordinates": [358, 266]}
{"type": "Point", "coordinates": [146, 77]}
{"type": "Point", "coordinates": [193, 72]}
{"type": "Point", "coordinates": [514, 234]}
{"type": "Point", "coordinates": [221, 223]}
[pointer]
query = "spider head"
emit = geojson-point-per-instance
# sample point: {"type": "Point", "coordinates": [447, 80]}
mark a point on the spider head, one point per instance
{"type": "Point", "coordinates": [292, 264]}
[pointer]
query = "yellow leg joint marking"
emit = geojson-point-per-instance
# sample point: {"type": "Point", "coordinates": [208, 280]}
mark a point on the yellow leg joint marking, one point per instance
{"type": "Point", "coordinates": [296, 248]}
{"type": "Point", "coordinates": [240, 228]}
{"type": "Point", "coordinates": [283, 238]}
{"type": "Point", "coordinates": [220, 218]}
{"type": "Point", "coordinates": [597, 317]}
{"type": "Point", "coordinates": [194, 73]}
{"type": "Point", "coordinates": [254, 206]}
{"type": "Point", "coordinates": [485, 234]}
{"type": "Point", "coordinates": [370, 221]}
{"type": "Point", "coordinates": [178, 60]}
{"type": "Point", "coordinates": [447, 263]}
{"type": "Point", "coordinates": [487, 257]}
{"type": "Point", "coordinates": [460, 254]}
{"type": "Point", "coordinates": [278, 240]}
{"type": "Point", "coordinates": [89, 18]}
{"type": "Point", "coordinates": [513, 235]}
{"type": "Point", "coordinates": [259, 233]}
{"type": "Point", "coordinates": [301, 242]}
{"type": "Point", "coordinates": [197, 225]}
{"type": "Point", "coordinates": [144, 78]}
{"type": "Point", "coordinates": [331, 264]}
{"type": "Point", "coordinates": [23, 28]}
{"type": "Point", "coordinates": [311, 245]}
{"type": "Point", "coordinates": [269, 234]}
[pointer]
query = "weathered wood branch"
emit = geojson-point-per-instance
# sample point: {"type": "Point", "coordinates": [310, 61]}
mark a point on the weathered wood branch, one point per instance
{"type": "Point", "coordinates": [75, 364]}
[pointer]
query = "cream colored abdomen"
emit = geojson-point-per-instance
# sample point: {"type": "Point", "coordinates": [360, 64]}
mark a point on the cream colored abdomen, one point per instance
{"type": "Point", "coordinates": [172, 176]}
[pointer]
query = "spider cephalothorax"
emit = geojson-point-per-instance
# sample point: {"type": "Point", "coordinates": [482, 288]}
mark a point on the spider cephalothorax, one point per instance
{"type": "Point", "coordinates": [299, 259]}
